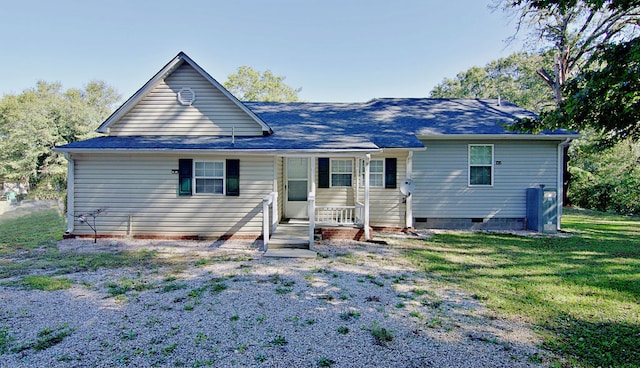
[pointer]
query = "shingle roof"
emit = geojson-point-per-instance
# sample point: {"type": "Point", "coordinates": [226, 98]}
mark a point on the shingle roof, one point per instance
{"type": "Point", "coordinates": [379, 123]}
{"type": "Point", "coordinates": [415, 116]}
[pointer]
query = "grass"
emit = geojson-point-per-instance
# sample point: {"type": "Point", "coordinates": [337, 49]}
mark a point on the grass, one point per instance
{"type": "Point", "coordinates": [45, 283]}
{"type": "Point", "coordinates": [583, 291]}
{"type": "Point", "coordinates": [28, 244]}
{"type": "Point", "coordinates": [5, 340]}
{"type": "Point", "coordinates": [381, 335]}
{"type": "Point", "coordinates": [47, 338]}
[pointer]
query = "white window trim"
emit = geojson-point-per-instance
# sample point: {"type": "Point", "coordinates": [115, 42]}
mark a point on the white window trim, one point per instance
{"type": "Point", "coordinates": [469, 165]}
{"type": "Point", "coordinates": [331, 173]}
{"type": "Point", "coordinates": [224, 189]}
{"type": "Point", "coordinates": [372, 173]}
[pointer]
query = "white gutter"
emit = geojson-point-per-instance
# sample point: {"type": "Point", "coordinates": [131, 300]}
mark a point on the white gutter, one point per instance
{"type": "Point", "coordinates": [70, 192]}
{"type": "Point", "coordinates": [231, 151]}
{"type": "Point", "coordinates": [560, 183]}
{"type": "Point", "coordinates": [532, 137]}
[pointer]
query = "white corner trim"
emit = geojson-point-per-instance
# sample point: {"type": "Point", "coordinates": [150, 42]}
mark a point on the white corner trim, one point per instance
{"type": "Point", "coordinates": [70, 191]}
{"type": "Point", "coordinates": [560, 183]}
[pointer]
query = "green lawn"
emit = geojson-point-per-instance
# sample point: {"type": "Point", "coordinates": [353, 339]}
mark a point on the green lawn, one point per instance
{"type": "Point", "coordinates": [28, 245]}
{"type": "Point", "coordinates": [582, 291]}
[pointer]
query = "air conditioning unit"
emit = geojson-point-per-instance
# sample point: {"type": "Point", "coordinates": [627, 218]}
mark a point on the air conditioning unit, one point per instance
{"type": "Point", "coordinates": [542, 209]}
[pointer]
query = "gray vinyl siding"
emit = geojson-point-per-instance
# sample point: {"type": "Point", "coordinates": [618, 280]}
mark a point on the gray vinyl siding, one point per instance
{"type": "Point", "coordinates": [143, 187]}
{"type": "Point", "coordinates": [160, 113]}
{"type": "Point", "coordinates": [440, 175]}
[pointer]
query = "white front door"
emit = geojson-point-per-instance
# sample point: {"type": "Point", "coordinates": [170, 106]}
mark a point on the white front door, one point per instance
{"type": "Point", "coordinates": [297, 187]}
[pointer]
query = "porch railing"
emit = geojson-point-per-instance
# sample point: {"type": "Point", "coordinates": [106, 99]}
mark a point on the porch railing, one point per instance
{"type": "Point", "coordinates": [339, 215]}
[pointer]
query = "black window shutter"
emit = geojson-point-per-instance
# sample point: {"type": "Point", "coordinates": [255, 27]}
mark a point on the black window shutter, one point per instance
{"type": "Point", "coordinates": [323, 172]}
{"type": "Point", "coordinates": [390, 170]}
{"type": "Point", "coordinates": [185, 174]}
{"type": "Point", "coordinates": [233, 177]}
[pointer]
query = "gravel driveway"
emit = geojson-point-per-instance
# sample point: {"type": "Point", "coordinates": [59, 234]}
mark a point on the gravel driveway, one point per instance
{"type": "Point", "coordinates": [224, 305]}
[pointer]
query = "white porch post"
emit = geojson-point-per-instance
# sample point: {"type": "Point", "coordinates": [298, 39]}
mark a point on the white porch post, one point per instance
{"type": "Point", "coordinates": [312, 218]}
{"type": "Point", "coordinates": [312, 201]}
{"type": "Point", "coordinates": [274, 211]}
{"type": "Point", "coordinates": [409, 199]}
{"type": "Point", "coordinates": [265, 222]}
{"type": "Point", "coordinates": [312, 169]}
{"type": "Point", "coordinates": [367, 161]}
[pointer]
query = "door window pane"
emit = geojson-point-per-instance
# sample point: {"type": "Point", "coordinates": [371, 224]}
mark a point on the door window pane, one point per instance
{"type": "Point", "coordinates": [297, 168]}
{"type": "Point", "coordinates": [297, 190]}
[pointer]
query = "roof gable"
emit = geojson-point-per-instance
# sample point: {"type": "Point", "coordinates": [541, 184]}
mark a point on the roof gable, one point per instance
{"type": "Point", "coordinates": [155, 108]}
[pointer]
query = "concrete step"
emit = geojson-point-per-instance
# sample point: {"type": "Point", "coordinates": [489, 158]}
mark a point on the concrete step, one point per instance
{"type": "Point", "coordinates": [296, 243]}
{"type": "Point", "coordinates": [290, 253]}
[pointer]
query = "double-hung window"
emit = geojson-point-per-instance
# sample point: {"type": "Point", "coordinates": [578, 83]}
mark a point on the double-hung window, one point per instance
{"type": "Point", "coordinates": [209, 177]}
{"type": "Point", "coordinates": [376, 173]}
{"type": "Point", "coordinates": [480, 164]}
{"type": "Point", "coordinates": [341, 173]}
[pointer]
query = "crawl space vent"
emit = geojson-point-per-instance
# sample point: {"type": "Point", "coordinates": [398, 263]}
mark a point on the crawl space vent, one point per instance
{"type": "Point", "coordinates": [186, 96]}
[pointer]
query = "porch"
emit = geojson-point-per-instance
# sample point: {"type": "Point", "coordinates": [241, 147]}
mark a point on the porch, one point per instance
{"type": "Point", "coordinates": [329, 196]}
{"type": "Point", "coordinates": [343, 222]}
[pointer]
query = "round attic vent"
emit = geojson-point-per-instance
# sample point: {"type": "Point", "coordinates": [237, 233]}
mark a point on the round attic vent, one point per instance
{"type": "Point", "coordinates": [186, 96]}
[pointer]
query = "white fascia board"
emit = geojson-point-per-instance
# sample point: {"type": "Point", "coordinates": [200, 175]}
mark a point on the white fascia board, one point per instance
{"type": "Point", "coordinates": [507, 137]}
{"type": "Point", "coordinates": [404, 149]}
{"type": "Point", "coordinates": [309, 152]}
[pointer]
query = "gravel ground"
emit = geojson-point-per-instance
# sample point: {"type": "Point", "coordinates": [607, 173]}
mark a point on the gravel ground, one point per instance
{"type": "Point", "coordinates": [222, 304]}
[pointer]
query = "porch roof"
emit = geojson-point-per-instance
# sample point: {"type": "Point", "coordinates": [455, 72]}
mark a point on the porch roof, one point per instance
{"type": "Point", "coordinates": [289, 141]}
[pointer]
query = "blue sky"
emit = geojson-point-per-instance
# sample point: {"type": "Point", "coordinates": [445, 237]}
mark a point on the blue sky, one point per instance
{"type": "Point", "coordinates": [348, 50]}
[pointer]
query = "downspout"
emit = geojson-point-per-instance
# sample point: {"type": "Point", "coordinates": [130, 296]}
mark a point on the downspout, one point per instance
{"type": "Point", "coordinates": [70, 192]}
{"type": "Point", "coordinates": [560, 184]}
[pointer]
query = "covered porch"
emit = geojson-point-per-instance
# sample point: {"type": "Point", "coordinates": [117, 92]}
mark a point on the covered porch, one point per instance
{"type": "Point", "coordinates": [331, 195]}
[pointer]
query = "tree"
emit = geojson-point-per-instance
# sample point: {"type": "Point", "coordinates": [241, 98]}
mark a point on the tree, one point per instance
{"type": "Point", "coordinates": [35, 121]}
{"type": "Point", "coordinates": [606, 179]}
{"type": "Point", "coordinates": [574, 29]}
{"type": "Point", "coordinates": [596, 78]}
{"type": "Point", "coordinates": [605, 100]}
{"type": "Point", "coordinates": [248, 84]}
{"type": "Point", "coordinates": [512, 78]}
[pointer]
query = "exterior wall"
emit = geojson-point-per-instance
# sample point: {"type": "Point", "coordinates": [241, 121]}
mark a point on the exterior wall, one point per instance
{"type": "Point", "coordinates": [440, 175]}
{"type": "Point", "coordinates": [334, 196]}
{"type": "Point", "coordinates": [142, 186]}
{"type": "Point", "coordinates": [160, 113]}
{"type": "Point", "coordinates": [386, 207]}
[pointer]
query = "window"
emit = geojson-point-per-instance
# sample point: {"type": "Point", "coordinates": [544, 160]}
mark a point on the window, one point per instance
{"type": "Point", "coordinates": [376, 173]}
{"type": "Point", "coordinates": [209, 176]}
{"type": "Point", "coordinates": [480, 164]}
{"type": "Point", "coordinates": [341, 173]}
